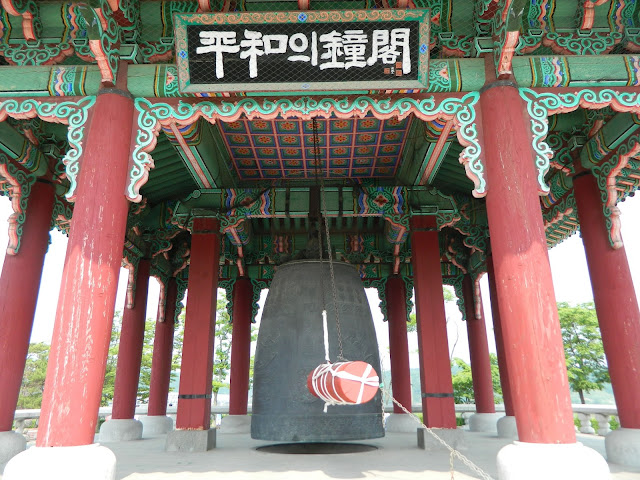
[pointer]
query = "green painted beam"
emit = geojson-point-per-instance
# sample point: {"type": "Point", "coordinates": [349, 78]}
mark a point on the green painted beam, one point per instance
{"type": "Point", "coordinates": [18, 148]}
{"type": "Point", "coordinates": [465, 74]}
{"type": "Point", "coordinates": [608, 138]}
{"type": "Point", "coordinates": [45, 81]}
{"type": "Point", "coordinates": [575, 71]}
{"type": "Point", "coordinates": [294, 202]}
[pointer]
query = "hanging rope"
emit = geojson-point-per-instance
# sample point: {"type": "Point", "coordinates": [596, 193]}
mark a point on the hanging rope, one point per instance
{"type": "Point", "coordinates": [323, 218]}
{"type": "Point", "coordinates": [325, 330]}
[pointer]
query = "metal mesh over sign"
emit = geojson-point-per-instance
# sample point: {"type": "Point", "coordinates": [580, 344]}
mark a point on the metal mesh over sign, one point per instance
{"type": "Point", "coordinates": [297, 51]}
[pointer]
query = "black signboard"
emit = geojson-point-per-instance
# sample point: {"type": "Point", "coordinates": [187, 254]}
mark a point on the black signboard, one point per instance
{"type": "Point", "coordinates": [302, 50]}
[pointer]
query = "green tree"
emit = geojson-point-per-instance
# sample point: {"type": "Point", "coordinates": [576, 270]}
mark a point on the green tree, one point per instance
{"type": "Point", "coordinates": [463, 380]}
{"type": "Point", "coordinates": [112, 361]}
{"type": "Point", "coordinates": [222, 356]}
{"type": "Point", "coordinates": [144, 382]}
{"type": "Point", "coordinates": [35, 372]}
{"type": "Point", "coordinates": [586, 364]}
{"type": "Point", "coordinates": [495, 378]}
{"type": "Point", "coordinates": [176, 359]}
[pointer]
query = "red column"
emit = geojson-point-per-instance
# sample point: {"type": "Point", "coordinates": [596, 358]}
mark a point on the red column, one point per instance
{"type": "Point", "coordinates": [162, 355]}
{"type": "Point", "coordinates": [194, 400]}
{"type": "Point", "coordinates": [240, 346]}
{"type": "Point", "coordinates": [438, 408]}
{"type": "Point", "coordinates": [530, 325]}
{"type": "Point", "coordinates": [398, 343]}
{"type": "Point", "coordinates": [19, 285]}
{"type": "Point", "coordinates": [84, 316]}
{"type": "Point", "coordinates": [478, 352]}
{"type": "Point", "coordinates": [125, 390]}
{"type": "Point", "coordinates": [615, 300]}
{"type": "Point", "coordinates": [503, 364]}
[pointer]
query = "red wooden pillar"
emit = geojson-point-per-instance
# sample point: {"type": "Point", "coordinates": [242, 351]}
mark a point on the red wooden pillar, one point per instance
{"type": "Point", "coordinates": [478, 352]}
{"type": "Point", "coordinates": [84, 316]}
{"type": "Point", "coordinates": [240, 346]}
{"type": "Point", "coordinates": [398, 342]}
{"type": "Point", "coordinates": [438, 407]}
{"type": "Point", "coordinates": [162, 355]}
{"type": "Point", "coordinates": [530, 325]}
{"type": "Point", "coordinates": [19, 285]}
{"type": "Point", "coordinates": [130, 350]}
{"type": "Point", "coordinates": [503, 364]}
{"type": "Point", "coordinates": [615, 301]}
{"type": "Point", "coordinates": [194, 400]}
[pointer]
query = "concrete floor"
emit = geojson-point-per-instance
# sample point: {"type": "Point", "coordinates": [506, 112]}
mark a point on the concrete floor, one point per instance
{"type": "Point", "coordinates": [236, 457]}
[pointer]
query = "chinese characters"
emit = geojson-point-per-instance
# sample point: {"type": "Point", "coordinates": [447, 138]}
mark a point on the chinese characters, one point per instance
{"type": "Point", "coordinates": [339, 50]}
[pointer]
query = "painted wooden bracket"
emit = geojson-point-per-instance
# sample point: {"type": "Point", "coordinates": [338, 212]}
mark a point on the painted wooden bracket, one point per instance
{"type": "Point", "coordinates": [507, 23]}
{"type": "Point", "coordinates": [104, 37]}
{"type": "Point", "coordinates": [16, 183]}
{"type": "Point", "coordinates": [28, 10]}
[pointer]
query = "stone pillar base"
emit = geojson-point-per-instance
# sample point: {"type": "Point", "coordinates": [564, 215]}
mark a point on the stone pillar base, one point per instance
{"type": "Point", "coordinates": [533, 461]}
{"type": "Point", "coordinates": [86, 462]}
{"type": "Point", "coordinates": [154, 425]}
{"type": "Point", "coordinates": [191, 440]}
{"type": "Point", "coordinates": [11, 444]}
{"type": "Point", "coordinates": [120, 430]}
{"type": "Point", "coordinates": [623, 446]}
{"type": "Point", "coordinates": [236, 424]}
{"type": "Point", "coordinates": [452, 437]}
{"type": "Point", "coordinates": [400, 423]}
{"type": "Point", "coordinates": [507, 427]}
{"type": "Point", "coordinates": [484, 422]}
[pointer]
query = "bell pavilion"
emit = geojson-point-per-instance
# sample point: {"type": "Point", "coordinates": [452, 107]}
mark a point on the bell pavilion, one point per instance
{"type": "Point", "coordinates": [207, 143]}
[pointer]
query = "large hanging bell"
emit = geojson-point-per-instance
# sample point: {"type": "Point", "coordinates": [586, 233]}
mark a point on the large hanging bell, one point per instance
{"type": "Point", "coordinates": [290, 345]}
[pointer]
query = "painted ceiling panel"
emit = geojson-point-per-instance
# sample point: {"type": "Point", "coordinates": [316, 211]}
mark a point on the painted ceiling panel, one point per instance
{"type": "Point", "coordinates": [284, 148]}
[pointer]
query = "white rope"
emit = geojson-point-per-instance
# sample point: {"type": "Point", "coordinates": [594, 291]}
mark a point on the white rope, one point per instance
{"type": "Point", "coordinates": [321, 390]}
{"type": "Point", "coordinates": [326, 336]}
{"type": "Point", "coordinates": [365, 380]}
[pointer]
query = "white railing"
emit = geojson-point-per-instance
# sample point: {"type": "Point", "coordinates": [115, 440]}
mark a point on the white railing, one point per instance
{"type": "Point", "coordinates": [602, 414]}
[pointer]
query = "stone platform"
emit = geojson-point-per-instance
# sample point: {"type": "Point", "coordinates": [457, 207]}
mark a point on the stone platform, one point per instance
{"type": "Point", "coordinates": [397, 457]}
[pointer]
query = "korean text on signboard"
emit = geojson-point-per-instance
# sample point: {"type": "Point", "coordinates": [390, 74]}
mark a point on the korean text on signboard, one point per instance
{"type": "Point", "coordinates": [295, 55]}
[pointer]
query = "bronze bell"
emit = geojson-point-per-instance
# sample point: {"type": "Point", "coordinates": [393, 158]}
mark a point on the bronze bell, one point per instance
{"type": "Point", "coordinates": [290, 345]}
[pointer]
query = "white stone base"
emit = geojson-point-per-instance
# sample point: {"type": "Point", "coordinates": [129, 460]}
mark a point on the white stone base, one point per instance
{"type": "Point", "coordinates": [235, 424]}
{"type": "Point", "coordinates": [484, 422]}
{"type": "Point", "coordinates": [400, 423]}
{"type": "Point", "coordinates": [87, 462]}
{"type": "Point", "coordinates": [11, 444]}
{"type": "Point", "coordinates": [623, 446]}
{"type": "Point", "coordinates": [535, 461]}
{"type": "Point", "coordinates": [191, 440]}
{"type": "Point", "coordinates": [155, 425]}
{"type": "Point", "coordinates": [120, 430]}
{"type": "Point", "coordinates": [507, 427]}
{"type": "Point", "coordinates": [454, 437]}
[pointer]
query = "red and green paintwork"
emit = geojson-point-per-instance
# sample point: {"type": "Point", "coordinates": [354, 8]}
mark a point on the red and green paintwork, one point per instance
{"type": "Point", "coordinates": [421, 153]}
